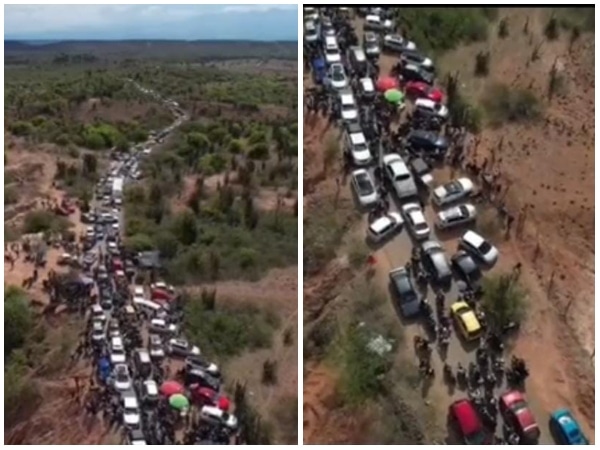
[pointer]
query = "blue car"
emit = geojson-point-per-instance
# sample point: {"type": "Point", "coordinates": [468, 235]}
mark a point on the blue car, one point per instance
{"type": "Point", "coordinates": [565, 429]}
{"type": "Point", "coordinates": [319, 70]}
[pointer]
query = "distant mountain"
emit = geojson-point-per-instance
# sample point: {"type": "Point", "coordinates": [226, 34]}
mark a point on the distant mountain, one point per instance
{"type": "Point", "coordinates": [272, 25]}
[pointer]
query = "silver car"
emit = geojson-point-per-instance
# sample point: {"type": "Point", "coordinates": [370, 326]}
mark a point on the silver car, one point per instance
{"type": "Point", "coordinates": [456, 215]}
{"type": "Point", "coordinates": [364, 187]}
{"type": "Point", "coordinates": [399, 176]}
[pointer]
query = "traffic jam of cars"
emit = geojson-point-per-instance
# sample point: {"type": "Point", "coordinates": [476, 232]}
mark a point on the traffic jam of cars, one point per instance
{"type": "Point", "coordinates": [394, 133]}
{"type": "Point", "coordinates": [153, 383]}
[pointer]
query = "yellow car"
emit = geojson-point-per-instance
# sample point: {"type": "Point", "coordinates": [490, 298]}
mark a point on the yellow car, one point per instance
{"type": "Point", "coordinates": [466, 321]}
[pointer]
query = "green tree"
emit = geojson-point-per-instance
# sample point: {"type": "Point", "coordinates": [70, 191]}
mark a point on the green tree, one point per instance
{"type": "Point", "coordinates": [185, 228]}
{"type": "Point", "coordinates": [90, 164]}
{"type": "Point", "coordinates": [504, 300]}
{"type": "Point", "coordinates": [18, 320]}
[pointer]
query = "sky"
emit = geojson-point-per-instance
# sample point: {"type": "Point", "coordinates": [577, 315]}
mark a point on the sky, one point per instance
{"type": "Point", "coordinates": [188, 22]}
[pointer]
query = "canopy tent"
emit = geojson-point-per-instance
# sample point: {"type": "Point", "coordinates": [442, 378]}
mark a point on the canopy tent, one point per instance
{"type": "Point", "coordinates": [387, 83]}
{"type": "Point", "coordinates": [179, 402]}
{"type": "Point", "coordinates": [224, 403]}
{"type": "Point", "coordinates": [171, 387]}
{"type": "Point", "coordinates": [394, 96]}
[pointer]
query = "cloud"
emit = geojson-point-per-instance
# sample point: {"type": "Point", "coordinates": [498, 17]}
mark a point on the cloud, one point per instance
{"type": "Point", "coordinates": [120, 20]}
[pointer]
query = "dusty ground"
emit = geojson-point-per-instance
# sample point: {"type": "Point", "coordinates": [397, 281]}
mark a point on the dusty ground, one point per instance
{"type": "Point", "coordinates": [539, 165]}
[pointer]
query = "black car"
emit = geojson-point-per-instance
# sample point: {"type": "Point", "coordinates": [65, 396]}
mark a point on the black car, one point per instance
{"type": "Point", "coordinates": [412, 72]}
{"type": "Point", "coordinates": [408, 299]}
{"type": "Point", "coordinates": [203, 378]}
{"type": "Point", "coordinates": [429, 141]}
{"type": "Point", "coordinates": [466, 268]}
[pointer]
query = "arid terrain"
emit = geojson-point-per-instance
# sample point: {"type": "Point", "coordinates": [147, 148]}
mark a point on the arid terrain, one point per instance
{"type": "Point", "coordinates": [64, 122]}
{"type": "Point", "coordinates": [545, 173]}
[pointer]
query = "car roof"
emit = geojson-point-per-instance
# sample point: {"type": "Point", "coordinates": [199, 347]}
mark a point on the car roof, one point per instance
{"type": "Point", "coordinates": [367, 84]}
{"type": "Point", "coordinates": [373, 17]}
{"type": "Point", "coordinates": [467, 417]}
{"type": "Point", "coordinates": [380, 224]}
{"type": "Point", "coordinates": [425, 102]}
{"type": "Point", "coordinates": [347, 97]}
{"type": "Point", "coordinates": [473, 238]}
{"type": "Point", "coordinates": [358, 138]}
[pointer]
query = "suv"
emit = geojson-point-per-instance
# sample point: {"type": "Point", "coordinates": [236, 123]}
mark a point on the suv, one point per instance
{"type": "Point", "coordinates": [435, 262]}
{"type": "Point", "coordinates": [358, 59]}
{"type": "Point", "coordinates": [407, 294]}
{"type": "Point", "coordinates": [465, 420]}
{"type": "Point", "coordinates": [399, 176]}
{"type": "Point", "coordinates": [412, 56]}
{"type": "Point", "coordinates": [428, 141]}
{"type": "Point", "coordinates": [412, 72]}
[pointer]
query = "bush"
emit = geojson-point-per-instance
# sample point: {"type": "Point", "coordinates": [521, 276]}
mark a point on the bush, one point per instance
{"type": "Point", "coordinates": [11, 195]}
{"type": "Point", "coordinates": [551, 29]}
{"type": "Point", "coordinates": [482, 64]}
{"type": "Point", "coordinates": [139, 243]}
{"type": "Point", "coordinates": [362, 369]}
{"type": "Point", "coordinates": [504, 300]}
{"type": "Point", "coordinates": [228, 331]}
{"type": "Point", "coordinates": [503, 28]}
{"type": "Point", "coordinates": [44, 221]}
{"type": "Point", "coordinates": [18, 319]}
{"type": "Point", "coordinates": [504, 104]}
{"type": "Point", "coordinates": [21, 393]}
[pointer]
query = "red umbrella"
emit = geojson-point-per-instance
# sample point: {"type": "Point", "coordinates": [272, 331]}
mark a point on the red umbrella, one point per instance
{"type": "Point", "coordinates": [171, 387]}
{"type": "Point", "coordinates": [223, 404]}
{"type": "Point", "coordinates": [387, 83]}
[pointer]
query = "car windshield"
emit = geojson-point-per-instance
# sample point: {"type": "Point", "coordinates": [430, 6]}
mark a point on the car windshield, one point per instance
{"type": "Point", "coordinates": [348, 107]}
{"type": "Point", "coordinates": [404, 288]}
{"type": "Point", "coordinates": [122, 375]}
{"type": "Point", "coordinates": [332, 51]}
{"type": "Point", "coordinates": [364, 185]}
{"type": "Point", "coordinates": [131, 410]}
{"type": "Point", "coordinates": [402, 176]}
{"type": "Point", "coordinates": [485, 247]}
{"type": "Point", "coordinates": [453, 187]}
{"type": "Point", "coordinates": [338, 75]}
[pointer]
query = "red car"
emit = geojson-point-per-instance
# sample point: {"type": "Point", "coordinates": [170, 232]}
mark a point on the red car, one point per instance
{"type": "Point", "coordinates": [515, 410]}
{"type": "Point", "coordinates": [418, 89]}
{"type": "Point", "coordinates": [466, 422]}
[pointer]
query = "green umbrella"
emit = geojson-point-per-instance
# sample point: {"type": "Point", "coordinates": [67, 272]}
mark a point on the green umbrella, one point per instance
{"type": "Point", "coordinates": [394, 96]}
{"type": "Point", "coordinates": [179, 401]}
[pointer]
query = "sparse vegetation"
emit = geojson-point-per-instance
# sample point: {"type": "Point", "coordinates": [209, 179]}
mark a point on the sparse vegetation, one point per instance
{"type": "Point", "coordinates": [482, 64]}
{"type": "Point", "coordinates": [225, 330]}
{"type": "Point", "coordinates": [503, 104]}
{"type": "Point", "coordinates": [504, 300]}
{"type": "Point", "coordinates": [44, 221]}
{"type": "Point", "coordinates": [441, 29]}
{"type": "Point", "coordinates": [503, 28]}
{"type": "Point", "coordinates": [551, 30]}
{"type": "Point", "coordinates": [462, 114]}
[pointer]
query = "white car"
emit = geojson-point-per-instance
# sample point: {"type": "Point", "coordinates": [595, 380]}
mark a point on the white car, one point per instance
{"type": "Point", "coordinates": [452, 191]}
{"type": "Point", "coordinates": [432, 107]}
{"type": "Point", "coordinates": [217, 416]}
{"type": "Point", "coordinates": [364, 187]}
{"type": "Point", "coordinates": [397, 43]}
{"type": "Point", "coordinates": [150, 391]}
{"type": "Point", "coordinates": [349, 108]}
{"type": "Point", "coordinates": [98, 313]}
{"type": "Point", "coordinates": [161, 326]}
{"type": "Point", "coordinates": [138, 291]}
{"type": "Point", "coordinates": [367, 88]}
{"type": "Point", "coordinates": [479, 247]}
{"type": "Point", "coordinates": [332, 50]}
{"type": "Point", "coordinates": [371, 44]}
{"type": "Point", "coordinates": [456, 215]}
{"type": "Point", "coordinates": [359, 149]}
{"type": "Point", "coordinates": [337, 76]}
{"type": "Point", "coordinates": [181, 347]}
{"type": "Point", "coordinates": [415, 220]}
{"type": "Point", "coordinates": [131, 411]}
{"type": "Point", "coordinates": [122, 377]}
{"type": "Point", "coordinates": [157, 349]}
{"type": "Point", "coordinates": [117, 350]}
{"type": "Point", "coordinates": [384, 226]}
{"type": "Point", "coordinates": [310, 32]}
{"type": "Point", "coordinates": [98, 331]}
{"type": "Point", "coordinates": [399, 176]}
{"type": "Point", "coordinates": [311, 14]}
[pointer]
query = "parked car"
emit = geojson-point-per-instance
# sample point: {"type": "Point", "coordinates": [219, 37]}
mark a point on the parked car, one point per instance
{"type": "Point", "coordinates": [371, 44]}
{"type": "Point", "coordinates": [412, 72]}
{"type": "Point", "coordinates": [332, 50]}
{"type": "Point", "coordinates": [430, 107]}
{"type": "Point", "coordinates": [479, 247]}
{"type": "Point", "coordinates": [98, 331]}
{"type": "Point", "coordinates": [117, 350]}
{"type": "Point", "coordinates": [364, 187]}
{"type": "Point", "coordinates": [399, 176]}
{"type": "Point", "coordinates": [384, 226]}
{"type": "Point", "coordinates": [565, 429]}
{"type": "Point", "coordinates": [435, 262]}
{"type": "Point", "coordinates": [160, 326]}
{"type": "Point", "coordinates": [416, 58]}
{"type": "Point", "coordinates": [337, 76]}
{"type": "Point", "coordinates": [311, 34]}
{"type": "Point", "coordinates": [395, 43]}
{"type": "Point", "coordinates": [181, 347]}
{"type": "Point", "coordinates": [150, 391]}
{"type": "Point", "coordinates": [375, 23]}
{"type": "Point", "coordinates": [429, 141]}
{"type": "Point", "coordinates": [356, 145]}
{"type": "Point", "coordinates": [131, 410]}
{"type": "Point", "coordinates": [466, 321]}
{"type": "Point", "coordinates": [156, 347]}
{"type": "Point", "coordinates": [452, 191]}
{"type": "Point", "coordinates": [456, 215]}
{"type": "Point", "coordinates": [419, 89]}
{"type": "Point", "coordinates": [415, 221]}
{"type": "Point", "coordinates": [466, 422]}
{"type": "Point", "coordinates": [422, 172]}
{"type": "Point", "coordinates": [409, 301]}
{"type": "Point", "coordinates": [216, 416]}
{"type": "Point", "coordinates": [348, 106]}
{"type": "Point", "coordinates": [122, 377]}
{"type": "Point", "coordinates": [367, 88]}
{"type": "Point", "coordinates": [466, 268]}
{"type": "Point", "coordinates": [197, 361]}
{"type": "Point", "coordinates": [113, 328]}
{"type": "Point", "coordinates": [515, 410]}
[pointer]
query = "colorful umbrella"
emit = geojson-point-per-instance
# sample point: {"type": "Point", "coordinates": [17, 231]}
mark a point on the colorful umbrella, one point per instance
{"type": "Point", "coordinates": [387, 83]}
{"type": "Point", "coordinates": [179, 402]}
{"type": "Point", "coordinates": [170, 388]}
{"type": "Point", "coordinates": [223, 404]}
{"type": "Point", "coordinates": [394, 96]}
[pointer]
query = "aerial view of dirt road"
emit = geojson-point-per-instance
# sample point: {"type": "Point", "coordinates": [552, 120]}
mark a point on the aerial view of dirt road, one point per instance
{"type": "Point", "coordinates": [448, 226]}
{"type": "Point", "coordinates": [151, 225]}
